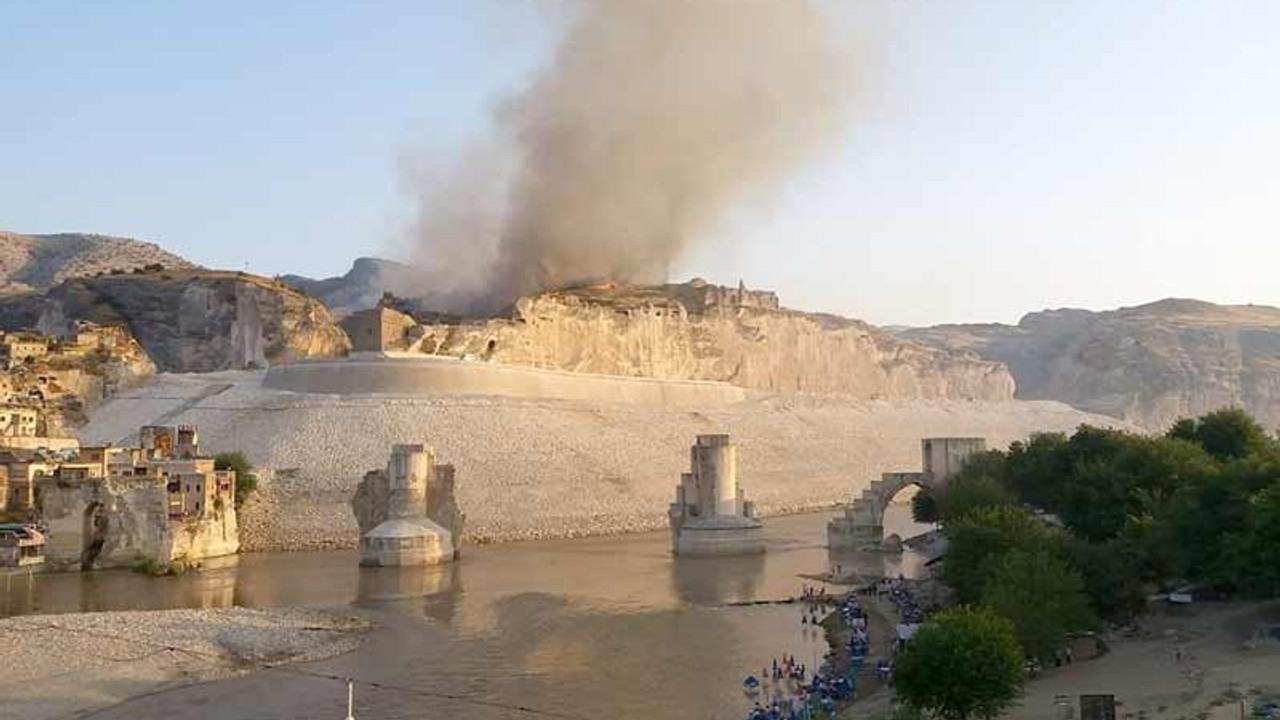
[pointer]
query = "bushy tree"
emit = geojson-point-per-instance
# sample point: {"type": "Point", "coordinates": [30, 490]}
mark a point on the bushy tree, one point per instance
{"type": "Point", "coordinates": [1041, 597]}
{"type": "Point", "coordinates": [968, 493]}
{"type": "Point", "coordinates": [1226, 434]}
{"type": "Point", "coordinates": [976, 542]}
{"type": "Point", "coordinates": [1112, 573]}
{"type": "Point", "coordinates": [964, 663]}
{"type": "Point", "coordinates": [924, 506]}
{"type": "Point", "coordinates": [246, 480]}
{"type": "Point", "coordinates": [1254, 551]}
{"type": "Point", "coordinates": [1038, 468]}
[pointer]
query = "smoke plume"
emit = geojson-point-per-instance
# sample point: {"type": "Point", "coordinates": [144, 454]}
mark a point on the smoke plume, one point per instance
{"type": "Point", "coordinates": [652, 120]}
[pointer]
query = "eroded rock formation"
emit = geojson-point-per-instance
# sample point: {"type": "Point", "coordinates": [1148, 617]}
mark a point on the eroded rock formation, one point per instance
{"type": "Point", "coordinates": [189, 320]}
{"type": "Point", "coordinates": [698, 331]}
{"type": "Point", "coordinates": [1149, 364]}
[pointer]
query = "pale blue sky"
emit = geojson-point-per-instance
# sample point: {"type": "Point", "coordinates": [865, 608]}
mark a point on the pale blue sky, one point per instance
{"type": "Point", "coordinates": [1008, 156]}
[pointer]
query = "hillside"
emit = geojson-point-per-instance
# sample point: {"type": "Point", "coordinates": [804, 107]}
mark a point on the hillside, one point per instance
{"type": "Point", "coordinates": [37, 262]}
{"type": "Point", "coordinates": [1149, 364]}
{"type": "Point", "coordinates": [698, 331]}
{"type": "Point", "coordinates": [188, 320]}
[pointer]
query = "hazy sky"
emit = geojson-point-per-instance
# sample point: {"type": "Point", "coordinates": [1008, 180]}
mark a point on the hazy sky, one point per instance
{"type": "Point", "coordinates": [1007, 155]}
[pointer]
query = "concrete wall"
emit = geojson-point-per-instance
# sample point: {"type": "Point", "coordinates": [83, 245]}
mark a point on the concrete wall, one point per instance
{"type": "Point", "coordinates": [446, 376]}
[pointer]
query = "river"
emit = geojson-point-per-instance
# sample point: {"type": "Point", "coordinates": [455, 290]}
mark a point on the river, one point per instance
{"type": "Point", "coordinates": [590, 628]}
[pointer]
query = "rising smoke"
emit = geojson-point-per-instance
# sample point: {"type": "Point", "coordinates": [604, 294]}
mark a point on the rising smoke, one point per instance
{"type": "Point", "coordinates": [654, 118]}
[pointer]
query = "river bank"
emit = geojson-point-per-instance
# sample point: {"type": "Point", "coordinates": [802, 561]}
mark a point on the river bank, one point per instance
{"type": "Point", "coordinates": [56, 665]}
{"type": "Point", "coordinates": [585, 627]}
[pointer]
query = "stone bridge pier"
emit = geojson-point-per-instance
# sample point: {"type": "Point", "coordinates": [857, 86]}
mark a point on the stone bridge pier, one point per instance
{"type": "Point", "coordinates": [862, 524]}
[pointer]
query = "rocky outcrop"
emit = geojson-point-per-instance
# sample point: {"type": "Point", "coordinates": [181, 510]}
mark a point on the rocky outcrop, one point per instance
{"type": "Point", "coordinates": [1149, 364]}
{"type": "Point", "coordinates": [698, 331]}
{"type": "Point", "coordinates": [359, 289]}
{"type": "Point", "coordinates": [116, 522]}
{"type": "Point", "coordinates": [189, 320]}
{"type": "Point", "coordinates": [37, 262]}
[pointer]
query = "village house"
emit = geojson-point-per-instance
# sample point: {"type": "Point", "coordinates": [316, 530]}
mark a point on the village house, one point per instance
{"type": "Point", "coordinates": [22, 470]}
{"type": "Point", "coordinates": [21, 545]}
{"type": "Point", "coordinates": [18, 421]}
{"type": "Point", "coordinates": [16, 348]}
{"type": "Point", "coordinates": [110, 506]}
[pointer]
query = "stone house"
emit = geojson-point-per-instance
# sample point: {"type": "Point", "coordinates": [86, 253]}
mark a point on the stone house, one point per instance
{"type": "Point", "coordinates": [16, 348]}
{"type": "Point", "coordinates": [21, 545]}
{"type": "Point", "coordinates": [18, 421]}
{"type": "Point", "coordinates": [163, 501]}
{"type": "Point", "coordinates": [23, 469]}
{"type": "Point", "coordinates": [381, 329]}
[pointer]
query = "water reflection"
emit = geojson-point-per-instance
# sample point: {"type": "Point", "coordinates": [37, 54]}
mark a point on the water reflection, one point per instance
{"type": "Point", "coordinates": [603, 627]}
{"type": "Point", "coordinates": [382, 584]}
{"type": "Point", "coordinates": [715, 580]}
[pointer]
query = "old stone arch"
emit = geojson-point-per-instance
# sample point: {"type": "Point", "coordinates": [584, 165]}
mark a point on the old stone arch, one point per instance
{"type": "Point", "coordinates": [94, 534]}
{"type": "Point", "coordinates": [861, 526]}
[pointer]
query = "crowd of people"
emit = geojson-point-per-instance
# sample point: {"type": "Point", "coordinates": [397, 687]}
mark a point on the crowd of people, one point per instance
{"type": "Point", "coordinates": [796, 695]}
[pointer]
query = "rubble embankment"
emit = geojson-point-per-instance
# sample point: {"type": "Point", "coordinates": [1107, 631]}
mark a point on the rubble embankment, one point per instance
{"type": "Point", "coordinates": [62, 664]}
{"type": "Point", "coordinates": [537, 469]}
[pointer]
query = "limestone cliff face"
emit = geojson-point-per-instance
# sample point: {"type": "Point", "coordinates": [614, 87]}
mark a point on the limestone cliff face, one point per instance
{"type": "Point", "coordinates": [1149, 364]}
{"type": "Point", "coordinates": [702, 332]}
{"type": "Point", "coordinates": [190, 320]}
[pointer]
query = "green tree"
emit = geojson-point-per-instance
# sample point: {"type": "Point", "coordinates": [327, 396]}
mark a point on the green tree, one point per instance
{"type": "Point", "coordinates": [976, 542]}
{"type": "Point", "coordinates": [1112, 573]}
{"type": "Point", "coordinates": [246, 480]}
{"type": "Point", "coordinates": [1041, 597]}
{"type": "Point", "coordinates": [1199, 520]}
{"type": "Point", "coordinates": [924, 506]}
{"type": "Point", "coordinates": [1254, 551]}
{"type": "Point", "coordinates": [1038, 468]}
{"type": "Point", "coordinates": [966, 494]}
{"type": "Point", "coordinates": [1225, 434]}
{"type": "Point", "coordinates": [964, 663]}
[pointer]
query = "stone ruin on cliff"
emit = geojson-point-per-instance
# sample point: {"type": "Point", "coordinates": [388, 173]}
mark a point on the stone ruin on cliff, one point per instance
{"type": "Point", "coordinates": [407, 513]}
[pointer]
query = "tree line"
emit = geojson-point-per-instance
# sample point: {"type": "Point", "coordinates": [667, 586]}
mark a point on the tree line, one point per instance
{"type": "Point", "coordinates": [1060, 533]}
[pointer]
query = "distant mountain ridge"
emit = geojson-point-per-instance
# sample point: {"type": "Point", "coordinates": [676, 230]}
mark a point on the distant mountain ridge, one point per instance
{"type": "Point", "coordinates": [359, 288]}
{"type": "Point", "coordinates": [38, 262]}
{"type": "Point", "coordinates": [1149, 364]}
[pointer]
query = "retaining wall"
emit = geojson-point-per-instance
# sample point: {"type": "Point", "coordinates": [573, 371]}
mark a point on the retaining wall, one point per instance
{"type": "Point", "coordinates": [391, 375]}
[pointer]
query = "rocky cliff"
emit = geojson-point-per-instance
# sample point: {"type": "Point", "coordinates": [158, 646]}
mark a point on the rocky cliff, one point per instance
{"type": "Point", "coordinates": [1149, 364]}
{"type": "Point", "coordinates": [37, 262]}
{"type": "Point", "coordinates": [189, 320]}
{"type": "Point", "coordinates": [704, 332]}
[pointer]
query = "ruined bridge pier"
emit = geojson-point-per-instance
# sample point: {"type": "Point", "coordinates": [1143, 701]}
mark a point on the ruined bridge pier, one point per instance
{"type": "Point", "coordinates": [862, 524]}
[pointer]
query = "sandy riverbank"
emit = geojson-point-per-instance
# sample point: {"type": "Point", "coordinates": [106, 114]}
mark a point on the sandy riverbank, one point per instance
{"type": "Point", "coordinates": [1224, 662]}
{"type": "Point", "coordinates": [56, 665]}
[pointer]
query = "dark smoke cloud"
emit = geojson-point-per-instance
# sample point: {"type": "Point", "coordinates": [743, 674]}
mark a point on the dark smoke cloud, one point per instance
{"type": "Point", "coordinates": [654, 118]}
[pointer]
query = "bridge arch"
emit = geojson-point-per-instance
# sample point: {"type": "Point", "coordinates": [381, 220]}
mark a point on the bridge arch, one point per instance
{"type": "Point", "coordinates": [862, 524]}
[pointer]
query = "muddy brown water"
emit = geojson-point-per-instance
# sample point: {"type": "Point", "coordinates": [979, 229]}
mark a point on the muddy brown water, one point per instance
{"type": "Point", "coordinates": [590, 628]}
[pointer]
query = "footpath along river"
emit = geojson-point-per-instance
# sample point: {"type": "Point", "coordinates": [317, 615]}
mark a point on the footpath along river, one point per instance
{"type": "Point", "coordinates": [609, 627]}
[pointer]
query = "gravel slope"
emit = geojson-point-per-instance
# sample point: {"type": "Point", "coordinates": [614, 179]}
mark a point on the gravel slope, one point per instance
{"type": "Point", "coordinates": [540, 468]}
{"type": "Point", "coordinates": [61, 664]}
